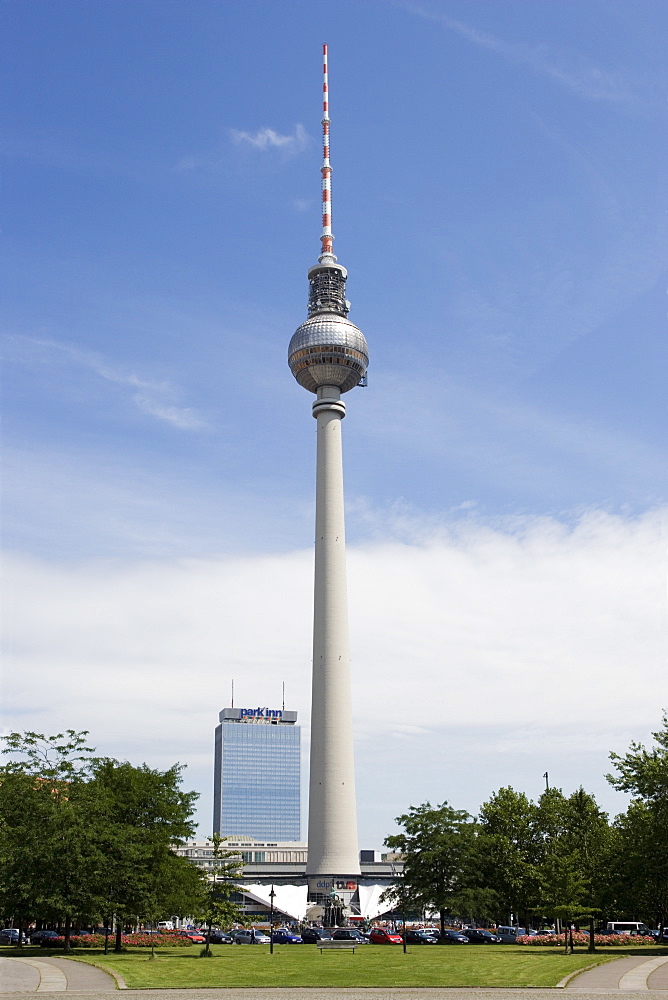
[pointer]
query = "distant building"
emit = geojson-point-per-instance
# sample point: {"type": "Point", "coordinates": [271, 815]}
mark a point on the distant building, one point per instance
{"type": "Point", "coordinates": [256, 792]}
{"type": "Point", "coordinates": [271, 854]}
{"type": "Point", "coordinates": [280, 866]}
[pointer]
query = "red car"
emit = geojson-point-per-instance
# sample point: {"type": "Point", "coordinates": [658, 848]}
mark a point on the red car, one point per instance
{"type": "Point", "coordinates": [195, 936]}
{"type": "Point", "coordinates": [380, 935]}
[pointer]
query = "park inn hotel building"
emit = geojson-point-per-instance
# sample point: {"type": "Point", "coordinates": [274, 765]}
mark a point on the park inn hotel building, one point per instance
{"type": "Point", "coordinates": [256, 790]}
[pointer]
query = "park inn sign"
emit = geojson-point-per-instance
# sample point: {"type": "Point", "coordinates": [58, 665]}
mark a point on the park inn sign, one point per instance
{"type": "Point", "coordinates": [260, 713]}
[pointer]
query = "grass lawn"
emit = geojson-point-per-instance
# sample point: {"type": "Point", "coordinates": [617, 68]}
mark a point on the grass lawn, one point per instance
{"type": "Point", "coordinates": [370, 965]}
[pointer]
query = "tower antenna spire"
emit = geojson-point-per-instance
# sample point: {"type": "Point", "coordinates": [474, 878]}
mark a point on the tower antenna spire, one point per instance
{"type": "Point", "coordinates": [326, 239]}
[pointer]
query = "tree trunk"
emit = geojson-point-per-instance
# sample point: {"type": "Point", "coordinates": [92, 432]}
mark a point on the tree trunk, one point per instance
{"type": "Point", "coordinates": [68, 931]}
{"type": "Point", "coordinates": [441, 915]}
{"type": "Point", "coordinates": [592, 943]}
{"type": "Point", "coordinates": [119, 930]}
{"type": "Point", "coordinates": [19, 926]}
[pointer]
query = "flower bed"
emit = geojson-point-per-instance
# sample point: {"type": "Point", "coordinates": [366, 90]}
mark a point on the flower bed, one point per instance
{"type": "Point", "coordinates": [582, 938]}
{"type": "Point", "coordinates": [139, 940]}
{"type": "Point", "coordinates": [168, 940]}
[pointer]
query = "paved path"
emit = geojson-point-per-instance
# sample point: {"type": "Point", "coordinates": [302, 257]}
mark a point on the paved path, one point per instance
{"type": "Point", "coordinates": [634, 974]}
{"type": "Point", "coordinates": [354, 993]}
{"type": "Point", "coordinates": [52, 975]}
{"type": "Point", "coordinates": [644, 979]}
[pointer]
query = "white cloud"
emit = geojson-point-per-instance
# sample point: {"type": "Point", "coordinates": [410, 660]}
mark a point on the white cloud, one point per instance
{"type": "Point", "coordinates": [567, 69]}
{"type": "Point", "coordinates": [501, 638]}
{"type": "Point", "coordinates": [154, 398]}
{"type": "Point", "coordinates": [302, 204]}
{"type": "Point", "coordinates": [267, 138]}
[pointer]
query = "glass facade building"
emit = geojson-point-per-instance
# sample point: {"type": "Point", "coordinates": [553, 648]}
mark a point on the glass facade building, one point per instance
{"type": "Point", "coordinates": [257, 775]}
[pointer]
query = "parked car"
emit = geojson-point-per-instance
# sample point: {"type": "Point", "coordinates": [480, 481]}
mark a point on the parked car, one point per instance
{"type": "Point", "coordinates": [452, 937]}
{"type": "Point", "coordinates": [420, 937]}
{"type": "Point", "coordinates": [45, 939]}
{"type": "Point", "coordinates": [221, 937]}
{"type": "Point", "coordinates": [349, 934]}
{"type": "Point", "coordinates": [311, 935]}
{"type": "Point", "coordinates": [381, 935]}
{"type": "Point", "coordinates": [10, 935]}
{"type": "Point", "coordinates": [284, 936]}
{"type": "Point", "coordinates": [509, 935]}
{"type": "Point", "coordinates": [195, 936]}
{"type": "Point", "coordinates": [477, 935]}
{"type": "Point", "coordinates": [247, 935]}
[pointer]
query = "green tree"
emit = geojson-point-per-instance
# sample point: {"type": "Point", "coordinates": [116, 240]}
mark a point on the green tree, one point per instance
{"type": "Point", "coordinates": [573, 867]}
{"type": "Point", "coordinates": [643, 869]}
{"type": "Point", "coordinates": [510, 847]}
{"type": "Point", "coordinates": [216, 905]}
{"type": "Point", "coordinates": [86, 836]}
{"type": "Point", "coordinates": [587, 838]}
{"type": "Point", "coordinates": [644, 773]}
{"type": "Point", "coordinates": [41, 802]}
{"type": "Point", "coordinates": [437, 845]}
{"type": "Point", "coordinates": [138, 814]}
{"type": "Point", "coordinates": [642, 865]}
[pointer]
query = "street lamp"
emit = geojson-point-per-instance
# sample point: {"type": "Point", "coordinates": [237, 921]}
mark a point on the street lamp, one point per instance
{"type": "Point", "coordinates": [403, 916]}
{"type": "Point", "coordinates": [271, 921]}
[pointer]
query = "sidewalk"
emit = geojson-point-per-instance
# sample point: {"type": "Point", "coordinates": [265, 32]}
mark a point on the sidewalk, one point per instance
{"type": "Point", "coordinates": [636, 974]}
{"type": "Point", "coordinates": [52, 975]}
{"type": "Point", "coordinates": [356, 993]}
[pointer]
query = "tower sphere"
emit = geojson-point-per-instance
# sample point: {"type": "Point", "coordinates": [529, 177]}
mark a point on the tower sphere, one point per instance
{"type": "Point", "coordinates": [328, 350]}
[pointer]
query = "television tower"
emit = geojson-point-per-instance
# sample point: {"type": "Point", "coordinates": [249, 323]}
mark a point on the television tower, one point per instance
{"type": "Point", "coordinates": [328, 355]}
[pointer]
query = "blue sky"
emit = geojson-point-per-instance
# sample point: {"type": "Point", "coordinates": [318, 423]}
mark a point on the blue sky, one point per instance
{"type": "Point", "coordinates": [499, 199]}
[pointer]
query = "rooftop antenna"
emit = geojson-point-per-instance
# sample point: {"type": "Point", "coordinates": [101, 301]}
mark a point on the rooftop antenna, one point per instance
{"type": "Point", "coordinates": [327, 240]}
{"type": "Point", "coordinates": [232, 692]}
{"type": "Point", "coordinates": [283, 695]}
{"type": "Point", "coordinates": [547, 782]}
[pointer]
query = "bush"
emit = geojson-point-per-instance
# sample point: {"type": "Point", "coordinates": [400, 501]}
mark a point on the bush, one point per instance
{"type": "Point", "coordinates": [168, 940]}
{"type": "Point", "coordinates": [582, 938]}
{"type": "Point", "coordinates": [140, 940]}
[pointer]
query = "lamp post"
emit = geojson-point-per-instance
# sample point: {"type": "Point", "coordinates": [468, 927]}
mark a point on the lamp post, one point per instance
{"type": "Point", "coordinates": [403, 917]}
{"type": "Point", "coordinates": [271, 921]}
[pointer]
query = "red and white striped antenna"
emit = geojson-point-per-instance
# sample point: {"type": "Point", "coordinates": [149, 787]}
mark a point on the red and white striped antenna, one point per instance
{"type": "Point", "coordinates": [326, 239]}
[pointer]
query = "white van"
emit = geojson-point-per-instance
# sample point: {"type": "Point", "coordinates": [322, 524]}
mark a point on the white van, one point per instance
{"type": "Point", "coordinates": [165, 925]}
{"type": "Point", "coordinates": [627, 927]}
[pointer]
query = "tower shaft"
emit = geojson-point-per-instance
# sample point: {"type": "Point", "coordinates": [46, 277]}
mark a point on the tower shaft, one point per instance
{"type": "Point", "coordinates": [332, 829]}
